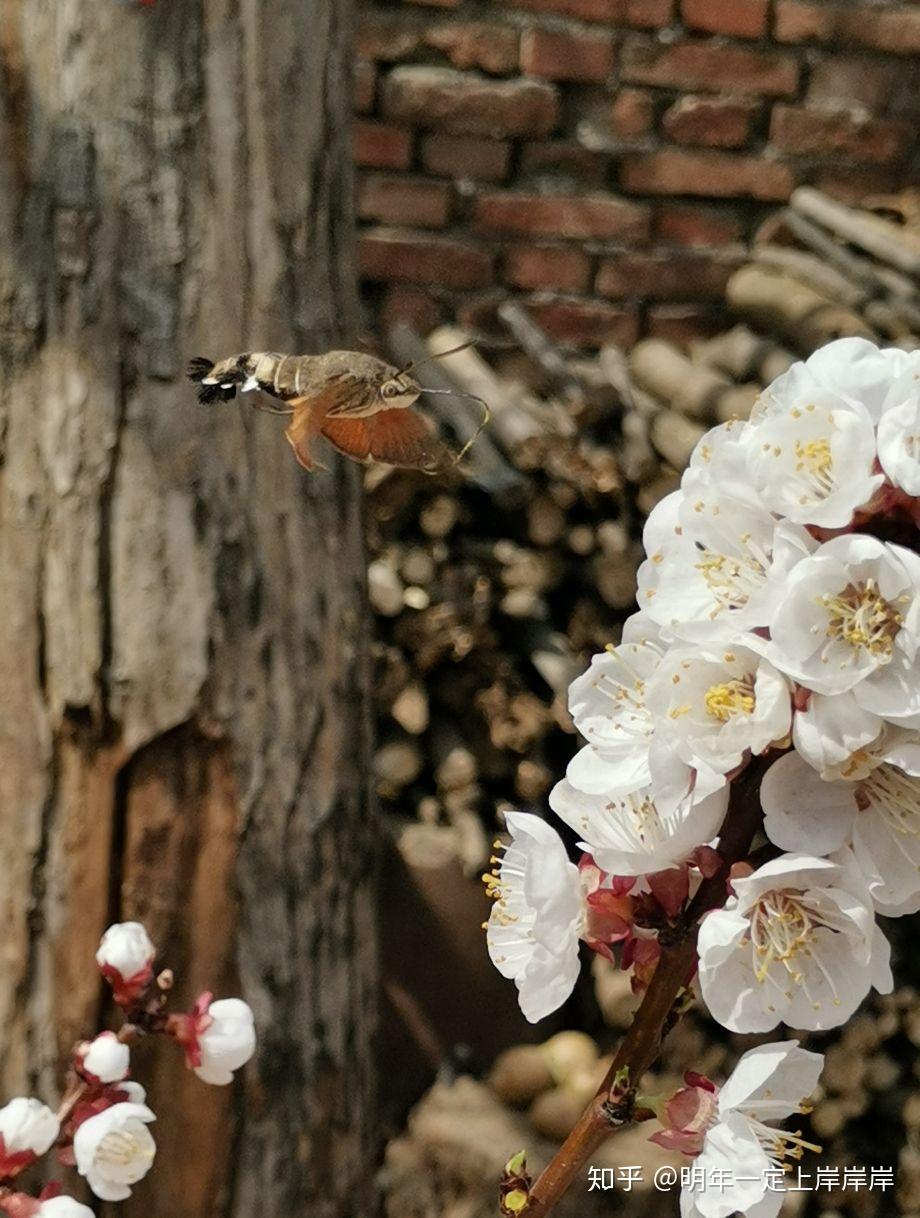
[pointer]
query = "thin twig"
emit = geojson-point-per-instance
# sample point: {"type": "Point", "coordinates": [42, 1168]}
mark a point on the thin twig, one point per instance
{"type": "Point", "coordinates": [613, 1105]}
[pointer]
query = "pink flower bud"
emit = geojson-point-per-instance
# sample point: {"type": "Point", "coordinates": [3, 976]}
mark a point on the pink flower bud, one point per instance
{"type": "Point", "coordinates": [104, 1060]}
{"type": "Point", "coordinates": [689, 1114]}
{"type": "Point", "coordinates": [125, 959]}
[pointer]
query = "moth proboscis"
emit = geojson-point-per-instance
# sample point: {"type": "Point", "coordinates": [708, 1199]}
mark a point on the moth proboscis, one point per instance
{"type": "Point", "coordinates": [358, 403]}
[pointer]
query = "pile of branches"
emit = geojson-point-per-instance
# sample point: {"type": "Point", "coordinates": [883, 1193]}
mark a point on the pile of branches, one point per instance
{"type": "Point", "coordinates": [493, 583]}
{"type": "Point", "coordinates": [492, 586]}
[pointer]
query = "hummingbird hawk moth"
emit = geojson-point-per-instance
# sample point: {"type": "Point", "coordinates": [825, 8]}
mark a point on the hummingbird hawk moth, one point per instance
{"type": "Point", "coordinates": [358, 403]}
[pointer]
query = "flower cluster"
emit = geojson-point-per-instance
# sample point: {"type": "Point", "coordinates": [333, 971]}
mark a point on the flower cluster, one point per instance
{"type": "Point", "coordinates": [731, 1127]}
{"type": "Point", "coordinates": [775, 646]}
{"type": "Point", "coordinates": [101, 1124]}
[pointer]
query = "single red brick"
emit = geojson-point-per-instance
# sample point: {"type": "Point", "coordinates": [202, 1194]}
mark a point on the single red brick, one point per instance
{"type": "Point", "coordinates": [894, 30]}
{"type": "Point", "coordinates": [459, 156]}
{"type": "Point", "coordinates": [683, 324]}
{"type": "Point", "coordinates": [563, 158]}
{"type": "Point", "coordinates": [402, 256]}
{"type": "Point", "coordinates": [468, 104]}
{"type": "Point", "coordinates": [365, 85]}
{"type": "Point", "coordinates": [382, 146]}
{"type": "Point", "coordinates": [647, 14]}
{"type": "Point", "coordinates": [737, 18]}
{"type": "Point", "coordinates": [603, 217]}
{"type": "Point", "coordinates": [692, 225]}
{"type": "Point", "coordinates": [718, 174]}
{"type": "Point", "coordinates": [631, 114]}
{"type": "Point", "coordinates": [717, 122]}
{"type": "Point", "coordinates": [701, 64]}
{"type": "Point", "coordinates": [476, 44]}
{"type": "Point", "coordinates": [415, 306]}
{"type": "Point", "coordinates": [388, 37]}
{"type": "Point", "coordinates": [586, 323]}
{"type": "Point", "coordinates": [845, 132]}
{"type": "Point", "coordinates": [563, 55]}
{"type": "Point", "coordinates": [667, 276]}
{"type": "Point", "coordinates": [854, 81]}
{"type": "Point", "coordinates": [539, 267]}
{"type": "Point", "coordinates": [798, 22]}
{"type": "Point", "coordinates": [401, 200]}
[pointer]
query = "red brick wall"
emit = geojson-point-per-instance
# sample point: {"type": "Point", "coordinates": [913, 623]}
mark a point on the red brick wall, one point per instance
{"type": "Point", "coordinates": [607, 160]}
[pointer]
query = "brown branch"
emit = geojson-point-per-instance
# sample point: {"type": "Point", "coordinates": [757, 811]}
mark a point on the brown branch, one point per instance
{"type": "Point", "coordinates": [613, 1105]}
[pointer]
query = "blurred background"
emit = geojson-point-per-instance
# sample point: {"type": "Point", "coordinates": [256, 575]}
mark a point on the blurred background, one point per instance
{"type": "Point", "coordinates": [277, 716]}
{"type": "Point", "coordinates": [644, 210]}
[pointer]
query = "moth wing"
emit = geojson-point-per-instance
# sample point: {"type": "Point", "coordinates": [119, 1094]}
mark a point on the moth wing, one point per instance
{"type": "Point", "coordinates": [348, 395]}
{"type": "Point", "coordinates": [404, 438]}
{"type": "Point", "coordinates": [351, 437]}
{"type": "Point", "coordinates": [302, 431]}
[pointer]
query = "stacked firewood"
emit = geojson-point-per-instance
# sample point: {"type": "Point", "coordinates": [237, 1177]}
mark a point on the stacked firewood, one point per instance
{"type": "Point", "coordinates": [493, 583]}
{"type": "Point", "coordinates": [819, 270]}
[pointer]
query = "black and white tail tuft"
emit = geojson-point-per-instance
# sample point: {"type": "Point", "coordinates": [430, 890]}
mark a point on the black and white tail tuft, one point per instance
{"type": "Point", "coordinates": [211, 390]}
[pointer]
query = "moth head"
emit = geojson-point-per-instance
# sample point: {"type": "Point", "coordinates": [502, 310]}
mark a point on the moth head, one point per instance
{"type": "Point", "coordinates": [399, 390]}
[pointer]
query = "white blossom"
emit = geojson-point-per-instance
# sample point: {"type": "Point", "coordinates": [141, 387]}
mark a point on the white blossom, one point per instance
{"type": "Point", "coordinates": [831, 729]}
{"type": "Point", "coordinates": [27, 1126]}
{"type": "Point", "coordinates": [875, 814]}
{"type": "Point", "coordinates": [769, 1083]}
{"type": "Point", "coordinates": [899, 431]}
{"type": "Point", "coordinates": [716, 566]}
{"type": "Point", "coordinates": [536, 921]}
{"type": "Point", "coordinates": [718, 468]}
{"type": "Point", "coordinates": [608, 707]}
{"type": "Point", "coordinates": [62, 1207]}
{"type": "Point", "coordinates": [796, 943]}
{"type": "Point", "coordinates": [850, 620]}
{"type": "Point", "coordinates": [714, 704]}
{"type": "Point", "coordinates": [114, 1149]}
{"type": "Point", "coordinates": [811, 453]}
{"type": "Point", "coordinates": [630, 835]}
{"type": "Point", "coordinates": [854, 368]}
{"type": "Point", "coordinates": [126, 948]}
{"type": "Point", "coordinates": [106, 1058]}
{"type": "Point", "coordinates": [228, 1041]}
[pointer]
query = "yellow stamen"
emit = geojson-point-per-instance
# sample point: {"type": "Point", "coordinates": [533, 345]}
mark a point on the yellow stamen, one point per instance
{"type": "Point", "coordinates": [730, 698]}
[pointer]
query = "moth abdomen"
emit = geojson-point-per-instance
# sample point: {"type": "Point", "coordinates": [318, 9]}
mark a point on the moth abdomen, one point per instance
{"type": "Point", "coordinates": [282, 376]}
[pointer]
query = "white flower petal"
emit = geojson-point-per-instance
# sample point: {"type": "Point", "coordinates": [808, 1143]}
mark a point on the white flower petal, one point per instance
{"type": "Point", "coordinates": [802, 811]}
{"type": "Point", "coordinates": [771, 1081]}
{"type": "Point", "coordinates": [535, 924]}
{"type": "Point", "coordinates": [227, 1043]}
{"type": "Point", "coordinates": [27, 1124]}
{"type": "Point", "coordinates": [125, 947]}
{"type": "Point", "coordinates": [831, 729]}
{"type": "Point", "coordinates": [794, 945]}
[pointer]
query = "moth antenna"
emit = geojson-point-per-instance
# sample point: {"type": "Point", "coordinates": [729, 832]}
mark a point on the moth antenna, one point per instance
{"type": "Point", "coordinates": [420, 363]}
{"type": "Point", "coordinates": [470, 397]}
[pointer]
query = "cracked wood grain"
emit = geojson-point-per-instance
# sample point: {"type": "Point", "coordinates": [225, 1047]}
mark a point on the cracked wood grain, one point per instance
{"type": "Point", "coordinates": [184, 732]}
